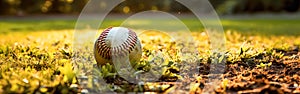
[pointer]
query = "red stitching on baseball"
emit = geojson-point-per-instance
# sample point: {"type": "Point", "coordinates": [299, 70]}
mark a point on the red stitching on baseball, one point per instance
{"type": "Point", "coordinates": [105, 51]}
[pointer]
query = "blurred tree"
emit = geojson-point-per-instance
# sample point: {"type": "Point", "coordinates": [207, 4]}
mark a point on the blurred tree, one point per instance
{"type": "Point", "coordinates": [254, 6]}
{"type": "Point", "coordinates": [55, 5]}
{"type": "Point", "coordinates": [273, 5]}
{"type": "Point", "coordinates": [165, 6]}
{"type": "Point", "coordinates": [31, 6]}
{"type": "Point", "coordinates": [227, 7]}
{"type": "Point", "coordinates": [9, 6]}
{"type": "Point", "coordinates": [78, 5]}
{"type": "Point", "coordinates": [4, 6]}
{"type": "Point", "coordinates": [216, 3]}
{"type": "Point", "coordinates": [240, 6]}
{"type": "Point", "coordinates": [292, 5]}
{"type": "Point", "coordinates": [178, 7]}
{"type": "Point", "coordinates": [61, 6]}
{"type": "Point", "coordinates": [142, 5]}
{"type": "Point", "coordinates": [134, 6]}
{"type": "Point", "coordinates": [18, 7]}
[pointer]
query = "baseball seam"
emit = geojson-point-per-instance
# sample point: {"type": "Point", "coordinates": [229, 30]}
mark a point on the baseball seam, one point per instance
{"type": "Point", "coordinates": [105, 51]}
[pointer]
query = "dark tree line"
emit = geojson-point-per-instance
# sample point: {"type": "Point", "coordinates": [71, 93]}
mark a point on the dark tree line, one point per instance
{"type": "Point", "coordinates": [23, 7]}
{"type": "Point", "coordinates": [20, 7]}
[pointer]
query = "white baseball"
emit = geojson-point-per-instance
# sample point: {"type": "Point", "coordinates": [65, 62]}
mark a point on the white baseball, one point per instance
{"type": "Point", "coordinates": [116, 43]}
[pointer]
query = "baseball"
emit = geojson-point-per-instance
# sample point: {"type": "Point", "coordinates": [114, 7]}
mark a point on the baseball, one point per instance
{"type": "Point", "coordinates": [115, 44]}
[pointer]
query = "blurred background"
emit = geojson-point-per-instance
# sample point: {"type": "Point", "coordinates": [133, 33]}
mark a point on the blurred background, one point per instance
{"type": "Point", "coordinates": [223, 7]}
{"type": "Point", "coordinates": [258, 17]}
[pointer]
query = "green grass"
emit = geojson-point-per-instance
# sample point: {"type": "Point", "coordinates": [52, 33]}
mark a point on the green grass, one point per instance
{"type": "Point", "coordinates": [31, 25]}
{"type": "Point", "coordinates": [264, 26]}
{"type": "Point", "coordinates": [243, 26]}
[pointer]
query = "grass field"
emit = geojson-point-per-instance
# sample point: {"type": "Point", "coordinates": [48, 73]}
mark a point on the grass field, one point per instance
{"type": "Point", "coordinates": [35, 56]}
{"type": "Point", "coordinates": [256, 26]}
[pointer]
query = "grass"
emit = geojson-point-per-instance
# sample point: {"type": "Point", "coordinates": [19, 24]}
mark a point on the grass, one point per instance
{"type": "Point", "coordinates": [32, 25]}
{"type": "Point", "coordinates": [36, 55]}
{"type": "Point", "coordinates": [35, 62]}
{"type": "Point", "coordinates": [255, 26]}
{"type": "Point", "coordinates": [264, 26]}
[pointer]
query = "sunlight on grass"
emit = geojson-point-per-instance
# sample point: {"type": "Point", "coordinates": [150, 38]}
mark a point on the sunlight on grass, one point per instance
{"type": "Point", "coordinates": [244, 26]}
{"type": "Point", "coordinates": [36, 55]}
{"type": "Point", "coordinates": [41, 59]}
